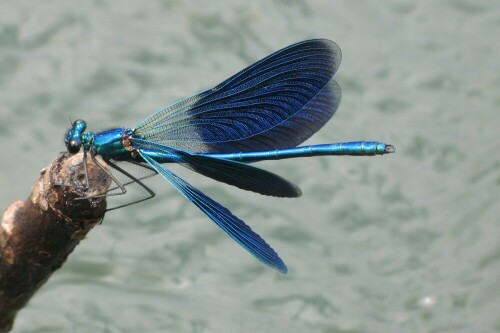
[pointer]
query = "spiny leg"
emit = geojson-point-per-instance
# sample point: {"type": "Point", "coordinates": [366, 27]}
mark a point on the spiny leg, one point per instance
{"type": "Point", "coordinates": [134, 180]}
{"type": "Point", "coordinates": [118, 183]}
{"type": "Point", "coordinates": [110, 175]}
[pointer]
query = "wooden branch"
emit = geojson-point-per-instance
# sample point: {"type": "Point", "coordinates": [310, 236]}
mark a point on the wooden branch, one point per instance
{"type": "Point", "coordinates": [37, 235]}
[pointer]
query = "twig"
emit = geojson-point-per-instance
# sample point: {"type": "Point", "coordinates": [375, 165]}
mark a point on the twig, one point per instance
{"type": "Point", "coordinates": [37, 235]}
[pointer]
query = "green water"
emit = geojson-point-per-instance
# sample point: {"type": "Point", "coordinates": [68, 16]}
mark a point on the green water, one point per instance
{"type": "Point", "coordinates": [407, 242]}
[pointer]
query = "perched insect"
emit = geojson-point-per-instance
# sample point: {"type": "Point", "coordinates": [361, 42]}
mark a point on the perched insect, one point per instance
{"type": "Point", "coordinates": [261, 113]}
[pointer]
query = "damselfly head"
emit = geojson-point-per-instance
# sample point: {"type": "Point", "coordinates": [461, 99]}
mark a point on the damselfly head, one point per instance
{"type": "Point", "coordinates": [73, 138]}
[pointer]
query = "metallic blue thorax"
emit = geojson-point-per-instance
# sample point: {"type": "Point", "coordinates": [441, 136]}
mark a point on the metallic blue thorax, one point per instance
{"type": "Point", "coordinates": [109, 143]}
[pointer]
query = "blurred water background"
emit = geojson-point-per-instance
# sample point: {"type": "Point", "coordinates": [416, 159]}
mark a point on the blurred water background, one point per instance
{"type": "Point", "coordinates": [407, 242]}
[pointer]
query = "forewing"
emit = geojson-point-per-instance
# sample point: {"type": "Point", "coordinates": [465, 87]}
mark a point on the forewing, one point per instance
{"type": "Point", "coordinates": [278, 102]}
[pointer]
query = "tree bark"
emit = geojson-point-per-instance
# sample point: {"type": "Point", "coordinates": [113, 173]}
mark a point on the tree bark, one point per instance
{"type": "Point", "coordinates": [37, 235]}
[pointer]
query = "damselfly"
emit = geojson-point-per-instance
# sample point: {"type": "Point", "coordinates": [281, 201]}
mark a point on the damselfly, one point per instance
{"type": "Point", "coordinates": [261, 113]}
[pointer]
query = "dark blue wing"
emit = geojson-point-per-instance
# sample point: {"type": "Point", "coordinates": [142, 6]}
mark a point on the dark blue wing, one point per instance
{"type": "Point", "coordinates": [232, 225]}
{"type": "Point", "coordinates": [278, 102]}
{"type": "Point", "coordinates": [233, 173]}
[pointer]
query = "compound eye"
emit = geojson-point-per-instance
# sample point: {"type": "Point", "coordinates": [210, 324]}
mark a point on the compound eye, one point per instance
{"type": "Point", "coordinates": [79, 122]}
{"type": "Point", "coordinates": [73, 147]}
